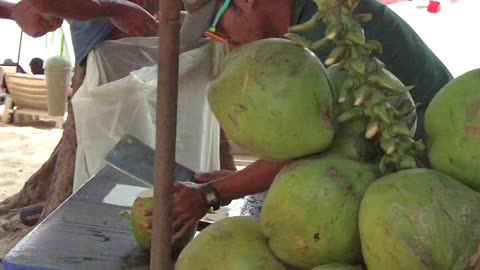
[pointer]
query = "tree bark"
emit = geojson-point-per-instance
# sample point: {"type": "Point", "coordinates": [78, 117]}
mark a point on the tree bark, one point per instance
{"type": "Point", "coordinates": [62, 178]}
{"type": "Point", "coordinates": [61, 182]}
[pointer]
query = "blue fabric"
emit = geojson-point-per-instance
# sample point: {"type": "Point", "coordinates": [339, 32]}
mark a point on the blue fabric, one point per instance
{"type": "Point", "coordinates": [87, 34]}
{"type": "Point", "coordinates": [11, 266]}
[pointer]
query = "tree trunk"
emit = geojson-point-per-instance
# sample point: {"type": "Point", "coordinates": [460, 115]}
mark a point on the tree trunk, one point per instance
{"type": "Point", "coordinates": [62, 178]}
{"type": "Point", "coordinates": [61, 183]}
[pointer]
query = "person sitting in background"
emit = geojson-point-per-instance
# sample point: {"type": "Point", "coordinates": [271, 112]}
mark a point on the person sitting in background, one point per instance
{"type": "Point", "coordinates": [36, 66]}
{"type": "Point", "coordinates": [9, 63]}
{"type": "Point", "coordinates": [3, 75]}
{"type": "Point", "coordinates": [2, 89]}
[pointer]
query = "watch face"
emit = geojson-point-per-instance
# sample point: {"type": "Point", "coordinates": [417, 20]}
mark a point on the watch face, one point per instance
{"type": "Point", "coordinates": [211, 197]}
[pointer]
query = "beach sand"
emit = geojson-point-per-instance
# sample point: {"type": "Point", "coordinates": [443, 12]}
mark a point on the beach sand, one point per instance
{"type": "Point", "coordinates": [23, 150]}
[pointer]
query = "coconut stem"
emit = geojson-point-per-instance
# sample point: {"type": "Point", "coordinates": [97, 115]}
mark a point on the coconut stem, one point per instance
{"type": "Point", "coordinates": [367, 86]}
{"type": "Point", "coordinates": [126, 214]}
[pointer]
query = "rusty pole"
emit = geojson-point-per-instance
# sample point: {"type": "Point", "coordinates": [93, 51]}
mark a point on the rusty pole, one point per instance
{"type": "Point", "coordinates": [167, 94]}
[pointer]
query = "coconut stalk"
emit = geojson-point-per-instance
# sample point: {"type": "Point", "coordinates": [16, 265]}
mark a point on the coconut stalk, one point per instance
{"type": "Point", "coordinates": [370, 92]}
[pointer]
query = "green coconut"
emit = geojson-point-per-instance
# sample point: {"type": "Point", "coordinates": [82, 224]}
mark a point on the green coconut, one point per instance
{"type": "Point", "coordinates": [337, 266]}
{"type": "Point", "coordinates": [234, 243]}
{"type": "Point", "coordinates": [139, 223]}
{"type": "Point", "coordinates": [452, 124]}
{"type": "Point", "coordinates": [274, 100]}
{"type": "Point", "coordinates": [350, 136]}
{"type": "Point", "coordinates": [142, 204]}
{"type": "Point", "coordinates": [419, 219]}
{"type": "Point", "coordinates": [310, 212]}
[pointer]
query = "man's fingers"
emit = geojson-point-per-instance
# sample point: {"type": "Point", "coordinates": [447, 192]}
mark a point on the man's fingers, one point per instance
{"type": "Point", "coordinates": [56, 23]}
{"type": "Point", "coordinates": [39, 31]}
{"type": "Point", "coordinates": [180, 220]}
{"type": "Point", "coordinates": [180, 205]}
{"type": "Point", "coordinates": [180, 210]}
{"type": "Point", "coordinates": [177, 187]}
{"type": "Point", "coordinates": [178, 198]}
{"type": "Point", "coordinates": [187, 226]}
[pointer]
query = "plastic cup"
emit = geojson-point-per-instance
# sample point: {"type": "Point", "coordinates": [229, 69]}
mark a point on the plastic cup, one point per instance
{"type": "Point", "coordinates": [58, 73]}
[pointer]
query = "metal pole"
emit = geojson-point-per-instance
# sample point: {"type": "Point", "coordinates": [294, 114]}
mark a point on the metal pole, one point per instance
{"type": "Point", "coordinates": [167, 95]}
{"type": "Point", "coordinates": [19, 50]}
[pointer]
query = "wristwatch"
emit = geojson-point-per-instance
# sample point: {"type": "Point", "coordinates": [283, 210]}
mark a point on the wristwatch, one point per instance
{"type": "Point", "coordinates": [210, 195]}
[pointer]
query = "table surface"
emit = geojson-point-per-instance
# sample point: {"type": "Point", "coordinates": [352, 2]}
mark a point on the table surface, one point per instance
{"type": "Point", "coordinates": [83, 233]}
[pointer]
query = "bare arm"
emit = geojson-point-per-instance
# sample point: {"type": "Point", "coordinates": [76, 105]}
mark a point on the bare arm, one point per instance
{"type": "Point", "coordinates": [189, 205]}
{"type": "Point", "coordinates": [126, 16]}
{"type": "Point", "coordinates": [253, 179]}
{"type": "Point", "coordinates": [81, 10]}
{"type": "Point", "coordinates": [6, 9]}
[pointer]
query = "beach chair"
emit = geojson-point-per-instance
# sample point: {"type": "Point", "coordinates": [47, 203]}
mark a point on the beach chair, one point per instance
{"type": "Point", "coordinates": [28, 96]}
{"type": "Point", "coordinates": [9, 69]}
{"type": "Point", "coordinates": [5, 70]}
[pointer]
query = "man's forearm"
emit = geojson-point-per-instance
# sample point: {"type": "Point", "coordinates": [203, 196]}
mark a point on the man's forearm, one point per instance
{"type": "Point", "coordinates": [6, 9]}
{"type": "Point", "coordinates": [254, 179]}
{"type": "Point", "coordinates": [76, 9]}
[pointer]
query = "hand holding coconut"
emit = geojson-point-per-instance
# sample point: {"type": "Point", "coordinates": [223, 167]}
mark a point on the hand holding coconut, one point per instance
{"type": "Point", "coordinates": [189, 207]}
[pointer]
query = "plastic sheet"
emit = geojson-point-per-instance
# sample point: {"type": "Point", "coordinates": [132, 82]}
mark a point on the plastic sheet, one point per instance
{"type": "Point", "coordinates": [118, 97]}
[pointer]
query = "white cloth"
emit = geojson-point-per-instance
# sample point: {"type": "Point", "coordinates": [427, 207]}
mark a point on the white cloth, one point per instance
{"type": "Point", "coordinates": [108, 105]}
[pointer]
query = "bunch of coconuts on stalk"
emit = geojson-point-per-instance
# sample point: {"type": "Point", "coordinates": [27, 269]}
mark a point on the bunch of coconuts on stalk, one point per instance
{"type": "Point", "coordinates": [355, 194]}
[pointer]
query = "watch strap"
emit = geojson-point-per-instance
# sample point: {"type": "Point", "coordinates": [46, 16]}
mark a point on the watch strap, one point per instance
{"type": "Point", "coordinates": [210, 195]}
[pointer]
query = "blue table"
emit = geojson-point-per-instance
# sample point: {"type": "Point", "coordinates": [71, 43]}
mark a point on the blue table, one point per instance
{"type": "Point", "coordinates": [83, 233]}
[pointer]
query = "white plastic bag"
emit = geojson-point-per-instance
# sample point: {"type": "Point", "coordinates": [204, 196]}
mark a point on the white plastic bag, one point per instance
{"type": "Point", "coordinates": [117, 98]}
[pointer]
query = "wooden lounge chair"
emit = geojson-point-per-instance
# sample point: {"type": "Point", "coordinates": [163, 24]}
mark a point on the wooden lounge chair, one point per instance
{"type": "Point", "coordinates": [4, 70]}
{"type": "Point", "coordinates": [29, 96]}
{"type": "Point", "coordinates": [9, 69]}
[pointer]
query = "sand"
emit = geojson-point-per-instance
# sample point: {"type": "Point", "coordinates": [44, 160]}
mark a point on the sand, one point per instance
{"type": "Point", "coordinates": [23, 150]}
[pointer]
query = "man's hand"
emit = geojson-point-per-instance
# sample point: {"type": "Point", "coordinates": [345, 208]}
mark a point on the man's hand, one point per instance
{"type": "Point", "coordinates": [189, 204]}
{"type": "Point", "coordinates": [132, 19]}
{"type": "Point", "coordinates": [32, 22]}
{"type": "Point", "coordinates": [189, 208]}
